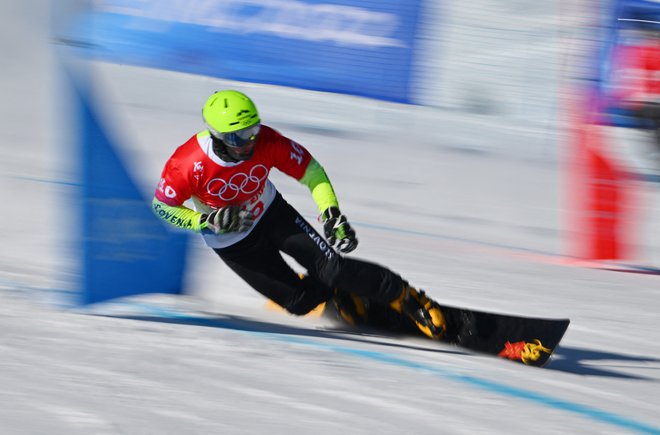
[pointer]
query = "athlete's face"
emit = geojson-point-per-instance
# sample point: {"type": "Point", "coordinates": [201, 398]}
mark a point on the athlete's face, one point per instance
{"type": "Point", "coordinates": [242, 153]}
{"type": "Point", "coordinates": [241, 143]}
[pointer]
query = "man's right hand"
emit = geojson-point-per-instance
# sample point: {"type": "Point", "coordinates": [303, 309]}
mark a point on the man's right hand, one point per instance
{"type": "Point", "coordinates": [229, 219]}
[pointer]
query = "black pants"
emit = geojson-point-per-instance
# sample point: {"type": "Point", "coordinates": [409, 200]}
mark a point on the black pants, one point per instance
{"type": "Point", "coordinates": [258, 260]}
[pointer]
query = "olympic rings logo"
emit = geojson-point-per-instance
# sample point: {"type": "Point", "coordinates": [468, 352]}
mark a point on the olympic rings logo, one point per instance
{"type": "Point", "coordinates": [240, 182]}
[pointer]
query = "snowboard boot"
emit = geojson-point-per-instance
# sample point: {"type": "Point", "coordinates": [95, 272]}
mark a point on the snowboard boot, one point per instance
{"type": "Point", "coordinates": [422, 310]}
{"type": "Point", "coordinates": [351, 308]}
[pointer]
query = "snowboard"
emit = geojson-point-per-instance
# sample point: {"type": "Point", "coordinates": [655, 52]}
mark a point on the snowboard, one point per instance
{"type": "Point", "coordinates": [527, 340]}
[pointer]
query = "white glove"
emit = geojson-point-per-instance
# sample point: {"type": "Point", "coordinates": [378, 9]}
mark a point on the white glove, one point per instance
{"type": "Point", "coordinates": [229, 219]}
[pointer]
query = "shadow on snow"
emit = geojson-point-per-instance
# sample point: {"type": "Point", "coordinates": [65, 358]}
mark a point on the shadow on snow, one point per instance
{"type": "Point", "coordinates": [565, 359]}
{"type": "Point", "coordinates": [590, 362]}
{"type": "Point", "coordinates": [238, 323]}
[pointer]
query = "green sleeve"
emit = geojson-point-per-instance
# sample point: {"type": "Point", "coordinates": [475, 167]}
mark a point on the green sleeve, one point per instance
{"type": "Point", "coordinates": [318, 183]}
{"type": "Point", "coordinates": [180, 216]}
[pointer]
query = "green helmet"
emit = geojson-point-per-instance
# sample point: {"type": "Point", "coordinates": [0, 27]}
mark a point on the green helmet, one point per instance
{"type": "Point", "coordinates": [229, 111]}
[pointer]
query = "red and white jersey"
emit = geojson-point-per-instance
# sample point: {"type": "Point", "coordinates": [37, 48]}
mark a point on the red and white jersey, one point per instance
{"type": "Point", "coordinates": [195, 172]}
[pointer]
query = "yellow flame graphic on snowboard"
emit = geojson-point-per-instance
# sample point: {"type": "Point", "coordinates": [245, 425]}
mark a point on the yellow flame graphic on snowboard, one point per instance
{"type": "Point", "coordinates": [524, 351]}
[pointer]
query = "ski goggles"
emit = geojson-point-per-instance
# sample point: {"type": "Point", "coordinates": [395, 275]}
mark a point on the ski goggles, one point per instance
{"type": "Point", "coordinates": [239, 138]}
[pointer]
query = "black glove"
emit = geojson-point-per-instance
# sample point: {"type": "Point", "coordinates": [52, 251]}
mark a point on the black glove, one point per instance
{"type": "Point", "coordinates": [229, 219]}
{"type": "Point", "coordinates": [338, 230]}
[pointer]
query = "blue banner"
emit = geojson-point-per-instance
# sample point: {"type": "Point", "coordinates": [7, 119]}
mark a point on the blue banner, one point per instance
{"type": "Point", "coordinates": [125, 249]}
{"type": "Point", "coordinates": [359, 47]}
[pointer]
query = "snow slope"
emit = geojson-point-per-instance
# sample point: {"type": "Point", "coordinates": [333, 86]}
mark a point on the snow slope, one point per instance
{"type": "Point", "coordinates": [447, 200]}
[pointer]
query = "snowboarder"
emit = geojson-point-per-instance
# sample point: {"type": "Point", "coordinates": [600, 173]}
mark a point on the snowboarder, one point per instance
{"type": "Point", "coordinates": [224, 170]}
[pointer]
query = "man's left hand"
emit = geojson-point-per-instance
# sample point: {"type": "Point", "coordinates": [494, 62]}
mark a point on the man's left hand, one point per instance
{"type": "Point", "coordinates": [338, 231]}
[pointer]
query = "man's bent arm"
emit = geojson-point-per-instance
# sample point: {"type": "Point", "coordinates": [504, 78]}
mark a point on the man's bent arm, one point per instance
{"type": "Point", "coordinates": [179, 216]}
{"type": "Point", "coordinates": [319, 184]}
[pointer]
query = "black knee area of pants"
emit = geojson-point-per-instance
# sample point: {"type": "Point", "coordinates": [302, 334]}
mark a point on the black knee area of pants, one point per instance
{"type": "Point", "coordinates": [362, 278]}
{"type": "Point", "coordinates": [330, 270]}
{"type": "Point", "coordinates": [307, 299]}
